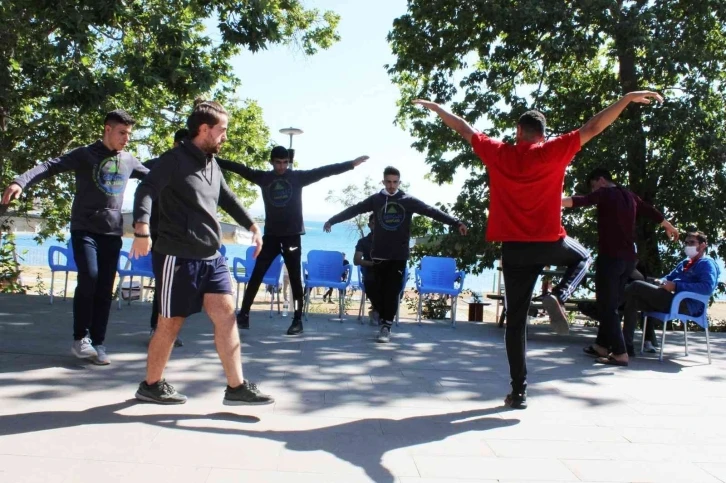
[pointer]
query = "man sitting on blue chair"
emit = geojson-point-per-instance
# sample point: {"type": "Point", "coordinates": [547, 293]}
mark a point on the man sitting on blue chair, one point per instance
{"type": "Point", "coordinates": [697, 273]}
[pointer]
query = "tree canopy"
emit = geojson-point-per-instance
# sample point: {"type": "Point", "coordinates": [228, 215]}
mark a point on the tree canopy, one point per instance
{"type": "Point", "coordinates": [491, 61]}
{"type": "Point", "coordinates": [63, 64]}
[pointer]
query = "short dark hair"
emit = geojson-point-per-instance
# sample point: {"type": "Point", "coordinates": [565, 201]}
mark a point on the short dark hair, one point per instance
{"type": "Point", "coordinates": [598, 173]}
{"type": "Point", "coordinates": [533, 123]}
{"type": "Point", "coordinates": [699, 235]}
{"type": "Point", "coordinates": [279, 152]}
{"type": "Point", "coordinates": [204, 112]}
{"type": "Point", "coordinates": [118, 116]}
{"type": "Point", "coordinates": [391, 170]}
{"type": "Point", "coordinates": [181, 134]}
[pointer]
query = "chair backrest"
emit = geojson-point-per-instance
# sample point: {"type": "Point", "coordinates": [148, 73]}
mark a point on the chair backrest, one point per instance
{"type": "Point", "coordinates": [55, 263]}
{"type": "Point", "coordinates": [272, 276]}
{"type": "Point", "coordinates": [143, 264]}
{"type": "Point", "coordinates": [223, 250]}
{"type": "Point", "coordinates": [325, 265]}
{"type": "Point", "coordinates": [438, 272]}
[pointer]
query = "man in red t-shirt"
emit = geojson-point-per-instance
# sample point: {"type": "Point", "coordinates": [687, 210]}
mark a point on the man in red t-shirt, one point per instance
{"type": "Point", "coordinates": [525, 214]}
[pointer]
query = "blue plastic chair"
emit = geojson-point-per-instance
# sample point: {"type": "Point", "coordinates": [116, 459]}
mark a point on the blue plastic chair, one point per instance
{"type": "Point", "coordinates": [439, 275]}
{"type": "Point", "coordinates": [324, 269]}
{"type": "Point", "coordinates": [60, 259]}
{"type": "Point", "coordinates": [223, 251]}
{"type": "Point", "coordinates": [247, 264]}
{"type": "Point", "coordinates": [674, 314]}
{"type": "Point", "coordinates": [129, 267]}
{"type": "Point", "coordinates": [271, 278]}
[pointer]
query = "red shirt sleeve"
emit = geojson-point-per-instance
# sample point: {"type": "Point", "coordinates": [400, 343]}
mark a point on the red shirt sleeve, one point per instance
{"type": "Point", "coordinates": [562, 149]}
{"type": "Point", "coordinates": [486, 148]}
{"type": "Point", "coordinates": [586, 200]}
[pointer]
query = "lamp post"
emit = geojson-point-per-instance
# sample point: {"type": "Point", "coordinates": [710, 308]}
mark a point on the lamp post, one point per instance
{"type": "Point", "coordinates": [291, 131]}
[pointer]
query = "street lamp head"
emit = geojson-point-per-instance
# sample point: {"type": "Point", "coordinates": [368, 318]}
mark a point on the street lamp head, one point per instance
{"type": "Point", "coordinates": [291, 131]}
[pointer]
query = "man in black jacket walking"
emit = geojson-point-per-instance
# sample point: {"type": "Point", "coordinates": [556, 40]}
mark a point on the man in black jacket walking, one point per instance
{"type": "Point", "coordinates": [393, 209]}
{"type": "Point", "coordinates": [282, 195]}
{"type": "Point", "coordinates": [190, 271]}
{"type": "Point", "coordinates": [102, 170]}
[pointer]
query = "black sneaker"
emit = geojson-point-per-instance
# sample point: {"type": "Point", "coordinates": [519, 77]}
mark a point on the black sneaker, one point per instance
{"type": "Point", "coordinates": [245, 395]}
{"type": "Point", "coordinates": [384, 335]}
{"type": "Point", "coordinates": [160, 393]}
{"type": "Point", "coordinates": [243, 320]}
{"type": "Point", "coordinates": [296, 328]}
{"type": "Point", "coordinates": [516, 400]}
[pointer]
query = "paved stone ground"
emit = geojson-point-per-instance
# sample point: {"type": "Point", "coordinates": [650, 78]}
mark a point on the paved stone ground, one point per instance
{"type": "Point", "coordinates": [426, 408]}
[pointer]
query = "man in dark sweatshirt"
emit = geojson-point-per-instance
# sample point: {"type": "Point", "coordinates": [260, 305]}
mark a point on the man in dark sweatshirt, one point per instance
{"type": "Point", "coordinates": [617, 209]}
{"type": "Point", "coordinates": [190, 271]}
{"type": "Point", "coordinates": [154, 227]}
{"type": "Point", "coordinates": [282, 194]}
{"type": "Point", "coordinates": [393, 209]}
{"type": "Point", "coordinates": [102, 170]}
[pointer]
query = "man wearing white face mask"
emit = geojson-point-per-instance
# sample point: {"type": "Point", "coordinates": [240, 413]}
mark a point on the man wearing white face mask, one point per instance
{"type": "Point", "coordinates": [698, 273]}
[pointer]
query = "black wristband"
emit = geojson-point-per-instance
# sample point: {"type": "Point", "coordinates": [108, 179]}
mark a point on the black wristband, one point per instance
{"type": "Point", "coordinates": [139, 235]}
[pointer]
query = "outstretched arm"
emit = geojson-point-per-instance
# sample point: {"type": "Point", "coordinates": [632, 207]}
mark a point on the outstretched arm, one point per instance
{"type": "Point", "coordinates": [607, 116]}
{"type": "Point", "coordinates": [61, 164]}
{"type": "Point", "coordinates": [311, 176]}
{"type": "Point", "coordinates": [364, 206]}
{"type": "Point", "coordinates": [434, 213]}
{"type": "Point", "coordinates": [251, 175]}
{"type": "Point", "coordinates": [451, 120]}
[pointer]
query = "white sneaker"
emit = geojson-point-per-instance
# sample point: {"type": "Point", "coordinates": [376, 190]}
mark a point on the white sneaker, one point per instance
{"type": "Point", "coordinates": [102, 358]}
{"type": "Point", "coordinates": [384, 336]}
{"type": "Point", "coordinates": [83, 349]}
{"type": "Point", "coordinates": [650, 348]}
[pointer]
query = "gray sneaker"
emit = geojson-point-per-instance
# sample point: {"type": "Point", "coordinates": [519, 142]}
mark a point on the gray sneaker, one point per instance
{"type": "Point", "coordinates": [160, 393]}
{"type": "Point", "coordinates": [384, 335]}
{"type": "Point", "coordinates": [558, 316]}
{"type": "Point", "coordinates": [102, 358]}
{"type": "Point", "coordinates": [83, 349]}
{"type": "Point", "coordinates": [246, 394]}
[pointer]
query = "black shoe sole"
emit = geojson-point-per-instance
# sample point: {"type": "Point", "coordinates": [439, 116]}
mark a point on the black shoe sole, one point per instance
{"type": "Point", "coordinates": [143, 398]}
{"type": "Point", "coordinates": [228, 402]}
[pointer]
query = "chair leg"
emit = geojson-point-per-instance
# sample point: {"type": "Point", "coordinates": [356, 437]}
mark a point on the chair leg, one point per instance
{"type": "Point", "coordinates": [278, 290]}
{"type": "Point", "coordinates": [420, 306]}
{"type": "Point", "coordinates": [52, 279]}
{"type": "Point", "coordinates": [306, 304]}
{"type": "Point", "coordinates": [662, 343]}
{"type": "Point", "coordinates": [362, 306]}
{"type": "Point", "coordinates": [341, 304]}
{"type": "Point", "coordinates": [119, 291]}
{"type": "Point", "coordinates": [131, 289]}
{"type": "Point", "coordinates": [142, 294]}
{"type": "Point", "coordinates": [685, 335]}
{"type": "Point", "coordinates": [453, 312]}
{"type": "Point", "coordinates": [398, 309]}
{"type": "Point", "coordinates": [272, 303]}
{"type": "Point", "coordinates": [65, 288]}
{"type": "Point", "coordinates": [642, 342]}
{"type": "Point", "coordinates": [708, 346]}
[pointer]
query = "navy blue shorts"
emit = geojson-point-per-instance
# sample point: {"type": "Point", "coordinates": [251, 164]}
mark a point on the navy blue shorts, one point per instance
{"type": "Point", "coordinates": [182, 283]}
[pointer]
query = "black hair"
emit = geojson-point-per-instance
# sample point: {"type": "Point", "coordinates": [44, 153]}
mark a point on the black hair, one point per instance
{"type": "Point", "coordinates": [181, 134]}
{"type": "Point", "coordinates": [391, 170]}
{"type": "Point", "coordinates": [118, 116]}
{"type": "Point", "coordinates": [279, 152]}
{"type": "Point", "coordinates": [204, 112]}
{"type": "Point", "coordinates": [533, 123]}
{"type": "Point", "coordinates": [699, 235]}
{"type": "Point", "coordinates": [598, 173]}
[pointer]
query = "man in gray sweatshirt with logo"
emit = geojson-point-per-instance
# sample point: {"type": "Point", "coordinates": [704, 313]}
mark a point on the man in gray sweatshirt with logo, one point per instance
{"type": "Point", "coordinates": [102, 170]}
{"type": "Point", "coordinates": [190, 272]}
{"type": "Point", "coordinates": [393, 210]}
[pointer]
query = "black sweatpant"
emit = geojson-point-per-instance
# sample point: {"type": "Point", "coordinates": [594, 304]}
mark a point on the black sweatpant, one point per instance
{"type": "Point", "coordinates": [272, 246]}
{"type": "Point", "coordinates": [522, 263]}
{"type": "Point", "coordinates": [611, 276]}
{"type": "Point", "coordinates": [369, 284]}
{"type": "Point", "coordinates": [645, 297]}
{"type": "Point", "coordinates": [388, 275]}
{"type": "Point", "coordinates": [96, 258]}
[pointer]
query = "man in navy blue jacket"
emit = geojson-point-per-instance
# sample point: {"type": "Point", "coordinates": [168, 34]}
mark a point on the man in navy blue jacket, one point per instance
{"type": "Point", "coordinates": [697, 273]}
{"type": "Point", "coordinates": [282, 194]}
{"type": "Point", "coordinates": [393, 210]}
{"type": "Point", "coordinates": [101, 170]}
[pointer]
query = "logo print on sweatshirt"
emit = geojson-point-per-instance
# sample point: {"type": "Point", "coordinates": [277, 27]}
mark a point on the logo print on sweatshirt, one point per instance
{"type": "Point", "coordinates": [391, 216]}
{"type": "Point", "coordinates": [109, 176]}
{"type": "Point", "coordinates": [279, 192]}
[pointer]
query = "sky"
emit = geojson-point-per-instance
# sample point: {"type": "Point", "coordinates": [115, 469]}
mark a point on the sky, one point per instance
{"type": "Point", "coordinates": [344, 101]}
